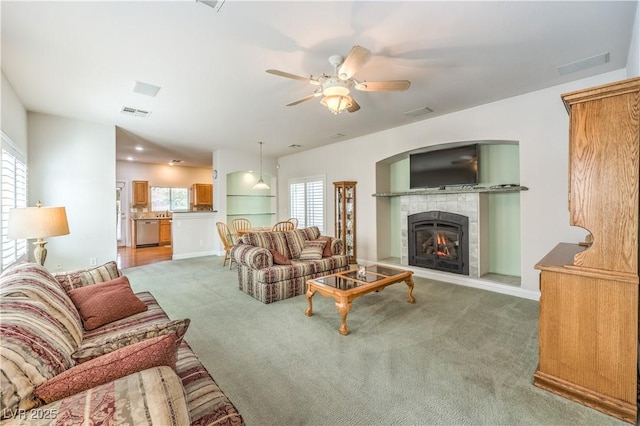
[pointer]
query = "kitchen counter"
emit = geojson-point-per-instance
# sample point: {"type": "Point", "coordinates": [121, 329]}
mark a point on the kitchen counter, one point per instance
{"type": "Point", "coordinates": [194, 234]}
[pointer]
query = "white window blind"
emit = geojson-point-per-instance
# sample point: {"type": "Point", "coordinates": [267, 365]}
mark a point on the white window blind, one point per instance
{"type": "Point", "coordinates": [307, 201]}
{"type": "Point", "coordinates": [13, 193]}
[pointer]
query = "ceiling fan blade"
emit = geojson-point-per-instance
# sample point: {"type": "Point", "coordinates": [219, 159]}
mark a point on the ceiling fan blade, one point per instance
{"type": "Point", "coordinates": [353, 62]}
{"type": "Point", "coordinates": [381, 86]}
{"type": "Point", "coordinates": [354, 106]}
{"type": "Point", "coordinates": [306, 98]}
{"type": "Point", "coordinates": [293, 76]}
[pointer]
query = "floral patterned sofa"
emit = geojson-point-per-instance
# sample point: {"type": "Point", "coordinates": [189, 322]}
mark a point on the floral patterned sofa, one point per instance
{"type": "Point", "coordinates": [276, 265]}
{"type": "Point", "coordinates": [135, 370]}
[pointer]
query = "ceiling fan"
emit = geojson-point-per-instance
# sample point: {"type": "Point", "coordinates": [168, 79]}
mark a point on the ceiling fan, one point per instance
{"type": "Point", "coordinates": [336, 88]}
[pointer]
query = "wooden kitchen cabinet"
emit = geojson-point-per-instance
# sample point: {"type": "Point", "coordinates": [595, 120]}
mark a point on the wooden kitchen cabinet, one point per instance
{"type": "Point", "coordinates": [140, 192]}
{"type": "Point", "coordinates": [202, 194]}
{"type": "Point", "coordinates": [165, 232]}
{"type": "Point", "coordinates": [588, 337]}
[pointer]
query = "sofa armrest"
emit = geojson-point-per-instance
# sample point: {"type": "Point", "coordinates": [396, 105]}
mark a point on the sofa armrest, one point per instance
{"type": "Point", "coordinates": [251, 256]}
{"type": "Point", "coordinates": [336, 246]}
{"type": "Point", "coordinates": [149, 397]}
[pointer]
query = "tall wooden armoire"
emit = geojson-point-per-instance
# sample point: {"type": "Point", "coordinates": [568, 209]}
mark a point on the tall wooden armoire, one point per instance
{"type": "Point", "coordinates": [589, 291]}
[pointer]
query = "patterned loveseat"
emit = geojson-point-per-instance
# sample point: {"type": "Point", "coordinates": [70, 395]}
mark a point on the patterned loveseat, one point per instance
{"type": "Point", "coordinates": [136, 370]}
{"type": "Point", "coordinates": [275, 265]}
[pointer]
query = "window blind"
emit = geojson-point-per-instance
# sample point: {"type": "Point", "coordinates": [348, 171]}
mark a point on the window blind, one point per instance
{"type": "Point", "coordinates": [307, 201]}
{"type": "Point", "coordinates": [13, 193]}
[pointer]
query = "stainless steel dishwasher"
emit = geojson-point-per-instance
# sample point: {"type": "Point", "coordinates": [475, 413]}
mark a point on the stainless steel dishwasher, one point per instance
{"type": "Point", "coordinates": [147, 232]}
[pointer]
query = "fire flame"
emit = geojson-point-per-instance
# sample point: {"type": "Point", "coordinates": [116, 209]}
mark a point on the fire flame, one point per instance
{"type": "Point", "coordinates": [443, 250]}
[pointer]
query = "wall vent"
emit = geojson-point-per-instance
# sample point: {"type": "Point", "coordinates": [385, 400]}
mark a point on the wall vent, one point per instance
{"type": "Point", "coordinates": [134, 111]}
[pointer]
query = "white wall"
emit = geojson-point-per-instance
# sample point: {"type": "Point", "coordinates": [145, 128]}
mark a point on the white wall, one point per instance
{"type": "Point", "coordinates": [194, 235]}
{"type": "Point", "coordinates": [13, 116]}
{"type": "Point", "coordinates": [633, 60]}
{"type": "Point", "coordinates": [537, 120]}
{"type": "Point", "coordinates": [162, 174]}
{"type": "Point", "coordinates": [72, 164]}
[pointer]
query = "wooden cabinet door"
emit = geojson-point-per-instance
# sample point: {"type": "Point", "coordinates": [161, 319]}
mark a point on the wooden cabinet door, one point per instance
{"type": "Point", "coordinates": [202, 194]}
{"type": "Point", "coordinates": [140, 192]}
{"type": "Point", "coordinates": [165, 232]}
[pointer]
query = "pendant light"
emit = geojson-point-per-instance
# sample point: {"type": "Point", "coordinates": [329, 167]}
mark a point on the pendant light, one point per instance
{"type": "Point", "coordinates": [261, 184]}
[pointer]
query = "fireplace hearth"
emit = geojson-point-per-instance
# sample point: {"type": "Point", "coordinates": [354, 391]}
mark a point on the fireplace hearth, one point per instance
{"type": "Point", "coordinates": [439, 240]}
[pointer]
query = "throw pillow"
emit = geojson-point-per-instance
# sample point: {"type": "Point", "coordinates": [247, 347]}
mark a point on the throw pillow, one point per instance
{"type": "Point", "coordinates": [102, 303]}
{"type": "Point", "coordinates": [327, 248]}
{"type": "Point", "coordinates": [161, 350]}
{"type": "Point", "coordinates": [98, 274]}
{"type": "Point", "coordinates": [279, 258]}
{"type": "Point", "coordinates": [110, 343]}
{"type": "Point", "coordinates": [312, 250]}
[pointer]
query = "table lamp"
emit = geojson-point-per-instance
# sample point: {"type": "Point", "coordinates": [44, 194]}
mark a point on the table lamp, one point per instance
{"type": "Point", "coordinates": [37, 222]}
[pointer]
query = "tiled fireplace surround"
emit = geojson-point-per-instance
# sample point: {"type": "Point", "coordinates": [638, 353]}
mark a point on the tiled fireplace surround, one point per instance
{"type": "Point", "coordinates": [469, 204]}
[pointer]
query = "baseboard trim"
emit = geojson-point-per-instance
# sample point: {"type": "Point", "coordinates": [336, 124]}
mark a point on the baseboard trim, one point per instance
{"type": "Point", "coordinates": [617, 408]}
{"type": "Point", "coordinates": [467, 281]}
{"type": "Point", "coordinates": [193, 254]}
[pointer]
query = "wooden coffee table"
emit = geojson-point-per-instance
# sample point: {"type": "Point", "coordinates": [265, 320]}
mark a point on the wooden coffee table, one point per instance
{"type": "Point", "coordinates": [348, 285]}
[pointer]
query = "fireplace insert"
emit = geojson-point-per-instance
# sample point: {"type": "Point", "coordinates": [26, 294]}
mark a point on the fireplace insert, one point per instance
{"type": "Point", "coordinates": [439, 240]}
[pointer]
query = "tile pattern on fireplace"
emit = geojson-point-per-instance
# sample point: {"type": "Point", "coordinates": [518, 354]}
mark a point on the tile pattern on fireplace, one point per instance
{"type": "Point", "coordinates": [467, 204]}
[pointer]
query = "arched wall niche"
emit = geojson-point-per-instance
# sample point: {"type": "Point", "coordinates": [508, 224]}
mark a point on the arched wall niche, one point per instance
{"type": "Point", "coordinates": [499, 163]}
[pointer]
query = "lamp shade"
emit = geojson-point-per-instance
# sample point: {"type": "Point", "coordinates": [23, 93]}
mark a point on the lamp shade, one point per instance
{"type": "Point", "coordinates": [37, 222]}
{"type": "Point", "coordinates": [336, 103]}
{"type": "Point", "coordinates": [261, 184]}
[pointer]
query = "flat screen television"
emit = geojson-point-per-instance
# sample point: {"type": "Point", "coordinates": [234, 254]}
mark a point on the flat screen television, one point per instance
{"type": "Point", "coordinates": [443, 167]}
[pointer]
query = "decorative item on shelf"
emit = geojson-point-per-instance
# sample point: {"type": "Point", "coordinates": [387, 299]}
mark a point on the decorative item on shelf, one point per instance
{"type": "Point", "coordinates": [38, 222]}
{"type": "Point", "coordinates": [362, 271]}
{"type": "Point", "coordinates": [261, 184]}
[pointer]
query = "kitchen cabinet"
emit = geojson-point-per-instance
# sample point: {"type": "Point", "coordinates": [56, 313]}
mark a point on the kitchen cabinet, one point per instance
{"type": "Point", "coordinates": [202, 194]}
{"type": "Point", "coordinates": [345, 216]}
{"type": "Point", "coordinates": [588, 337]}
{"type": "Point", "coordinates": [140, 192]}
{"type": "Point", "coordinates": [165, 232]}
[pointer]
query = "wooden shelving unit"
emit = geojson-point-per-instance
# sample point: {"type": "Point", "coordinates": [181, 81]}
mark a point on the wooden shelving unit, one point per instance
{"type": "Point", "coordinates": [589, 292]}
{"type": "Point", "coordinates": [345, 216]}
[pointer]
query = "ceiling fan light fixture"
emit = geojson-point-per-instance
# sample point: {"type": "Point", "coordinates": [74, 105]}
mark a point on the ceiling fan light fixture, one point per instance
{"type": "Point", "coordinates": [337, 103]}
{"type": "Point", "coordinates": [335, 87]}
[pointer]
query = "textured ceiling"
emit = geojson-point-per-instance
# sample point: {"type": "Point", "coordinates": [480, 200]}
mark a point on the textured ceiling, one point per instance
{"type": "Point", "coordinates": [82, 59]}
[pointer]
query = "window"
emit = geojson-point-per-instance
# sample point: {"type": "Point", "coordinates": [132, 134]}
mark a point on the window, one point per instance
{"type": "Point", "coordinates": [307, 201]}
{"type": "Point", "coordinates": [13, 181]}
{"type": "Point", "coordinates": [171, 199]}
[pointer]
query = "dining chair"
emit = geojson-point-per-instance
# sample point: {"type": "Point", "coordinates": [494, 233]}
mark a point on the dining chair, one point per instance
{"type": "Point", "coordinates": [227, 242]}
{"type": "Point", "coordinates": [239, 224]}
{"type": "Point", "coordinates": [284, 225]}
{"type": "Point", "coordinates": [294, 221]}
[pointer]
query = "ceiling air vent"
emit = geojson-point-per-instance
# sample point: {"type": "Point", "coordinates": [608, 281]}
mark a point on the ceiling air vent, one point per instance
{"type": "Point", "coordinates": [418, 112]}
{"type": "Point", "coordinates": [134, 111]}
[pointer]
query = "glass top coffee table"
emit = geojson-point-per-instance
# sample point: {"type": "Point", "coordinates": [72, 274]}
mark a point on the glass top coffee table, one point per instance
{"type": "Point", "coordinates": [348, 285]}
